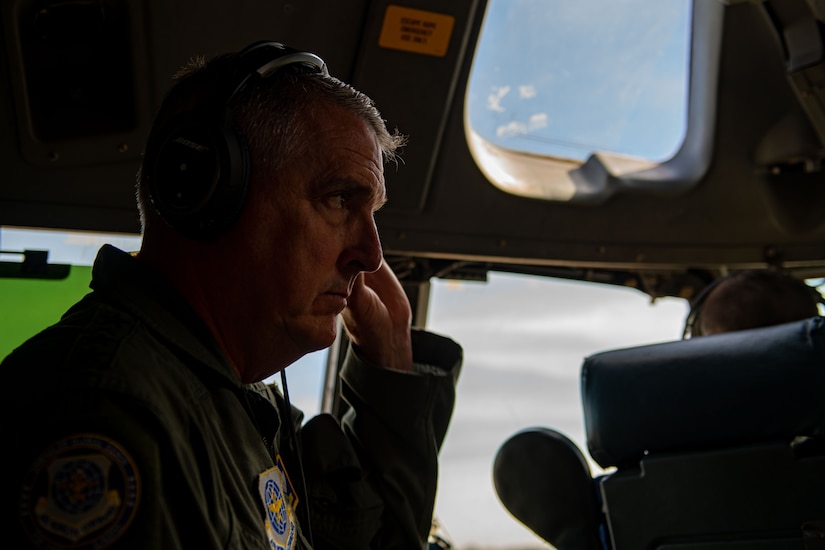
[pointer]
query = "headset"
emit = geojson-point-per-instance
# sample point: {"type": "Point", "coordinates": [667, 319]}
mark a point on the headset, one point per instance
{"type": "Point", "coordinates": [197, 165]}
{"type": "Point", "coordinates": [691, 329]}
{"type": "Point", "coordinates": [696, 308]}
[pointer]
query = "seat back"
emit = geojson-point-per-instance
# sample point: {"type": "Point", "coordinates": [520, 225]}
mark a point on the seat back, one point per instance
{"type": "Point", "coordinates": [717, 441]}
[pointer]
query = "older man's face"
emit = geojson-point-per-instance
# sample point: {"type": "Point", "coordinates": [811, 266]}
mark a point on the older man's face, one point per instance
{"type": "Point", "coordinates": [312, 231]}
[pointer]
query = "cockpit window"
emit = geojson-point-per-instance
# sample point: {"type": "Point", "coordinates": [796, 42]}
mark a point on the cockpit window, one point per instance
{"type": "Point", "coordinates": [577, 79]}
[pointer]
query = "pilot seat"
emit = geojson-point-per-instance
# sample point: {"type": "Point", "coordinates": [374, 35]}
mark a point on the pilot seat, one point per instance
{"type": "Point", "coordinates": [710, 443]}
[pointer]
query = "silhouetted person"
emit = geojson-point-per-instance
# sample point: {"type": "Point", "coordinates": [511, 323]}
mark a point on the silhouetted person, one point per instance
{"type": "Point", "coordinates": [750, 299]}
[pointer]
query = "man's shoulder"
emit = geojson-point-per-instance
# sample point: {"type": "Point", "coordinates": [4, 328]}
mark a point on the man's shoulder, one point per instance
{"type": "Point", "coordinates": [88, 327]}
{"type": "Point", "coordinates": [94, 345]}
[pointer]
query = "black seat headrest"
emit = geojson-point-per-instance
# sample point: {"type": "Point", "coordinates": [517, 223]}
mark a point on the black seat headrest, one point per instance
{"type": "Point", "coordinates": [544, 481]}
{"type": "Point", "coordinates": [707, 392]}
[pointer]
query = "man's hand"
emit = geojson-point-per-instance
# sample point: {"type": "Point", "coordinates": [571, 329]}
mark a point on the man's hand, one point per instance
{"type": "Point", "coordinates": [378, 317]}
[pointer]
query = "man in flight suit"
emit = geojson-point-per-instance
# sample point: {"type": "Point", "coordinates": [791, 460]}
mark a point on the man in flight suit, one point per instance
{"type": "Point", "coordinates": [140, 420]}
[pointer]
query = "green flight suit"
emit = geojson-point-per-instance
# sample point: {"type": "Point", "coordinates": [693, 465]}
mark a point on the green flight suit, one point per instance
{"type": "Point", "coordinates": [126, 427]}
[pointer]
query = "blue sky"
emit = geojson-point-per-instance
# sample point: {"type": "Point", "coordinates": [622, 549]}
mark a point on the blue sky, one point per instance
{"type": "Point", "coordinates": [568, 77]}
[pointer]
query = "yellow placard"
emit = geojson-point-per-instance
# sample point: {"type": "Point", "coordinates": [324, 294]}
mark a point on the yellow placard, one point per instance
{"type": "Point", "coordinates": [416, 31]}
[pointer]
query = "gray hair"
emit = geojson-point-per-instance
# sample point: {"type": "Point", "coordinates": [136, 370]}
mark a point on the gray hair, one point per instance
{"type": "Point", "coordinates": [270, 114]}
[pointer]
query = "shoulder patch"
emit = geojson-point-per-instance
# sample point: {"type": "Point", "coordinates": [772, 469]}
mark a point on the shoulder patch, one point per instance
{"type": "Point", "coordinates": [279, 502]}
{"type": "Point", "coordinates": [81, 493]}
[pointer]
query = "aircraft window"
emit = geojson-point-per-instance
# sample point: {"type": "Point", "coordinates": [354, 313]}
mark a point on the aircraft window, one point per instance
{"type": "Point", "coordinates": [524, 340]}
{"type": "Point", "coordinates": [577, 79]}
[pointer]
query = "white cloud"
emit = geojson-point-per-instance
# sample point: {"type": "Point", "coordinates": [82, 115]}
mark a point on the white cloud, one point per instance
{"type": "Point", "coordinates": [518, 128]}
{"type": "Point", "coordinates": [494, 99]}
{"type": "Point", "coordinates": [527, 91]}
{"type": "Point", "coordinates": [512, 128]}
{"type": "Point", "coordinates": [537, 121]}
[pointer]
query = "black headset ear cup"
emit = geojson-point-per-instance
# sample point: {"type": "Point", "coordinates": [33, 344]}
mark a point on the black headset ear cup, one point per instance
{"type": "Point", "coordinates": [200, 176]}
{"type": "Point", "coordinates": [692, 325]}
{"type": "Point", "coordinates": [198, 164]}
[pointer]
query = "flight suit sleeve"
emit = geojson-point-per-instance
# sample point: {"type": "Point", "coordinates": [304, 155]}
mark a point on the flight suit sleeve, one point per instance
{"type": "Point", "coordinates": [396, 423]}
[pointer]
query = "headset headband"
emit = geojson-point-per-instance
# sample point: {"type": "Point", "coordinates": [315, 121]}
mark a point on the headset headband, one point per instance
{"type": "Point", "coordinates": [257, 66]}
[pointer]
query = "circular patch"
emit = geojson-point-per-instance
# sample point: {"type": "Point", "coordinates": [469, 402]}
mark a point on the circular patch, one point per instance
{"type": "Point", "coordinates": [279, 502]}
{"type": "Point", "coordinates": [276, 511]}
{"type": "Point", "coordinates": [81, 493]}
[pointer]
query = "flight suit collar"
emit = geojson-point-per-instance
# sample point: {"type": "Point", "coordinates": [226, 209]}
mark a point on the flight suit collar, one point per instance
{"type": "Point", "coordinates": [120, 277]}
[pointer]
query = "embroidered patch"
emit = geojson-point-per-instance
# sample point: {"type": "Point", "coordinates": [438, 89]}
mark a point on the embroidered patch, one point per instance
{"type": "Point", "coordinates": [279, 501]}
{"type": "Point", "coordinates": [81, 493]}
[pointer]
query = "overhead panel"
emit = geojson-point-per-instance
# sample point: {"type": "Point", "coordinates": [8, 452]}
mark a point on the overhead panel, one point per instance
{"type": "Point", "coordinates": [409, 63]}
